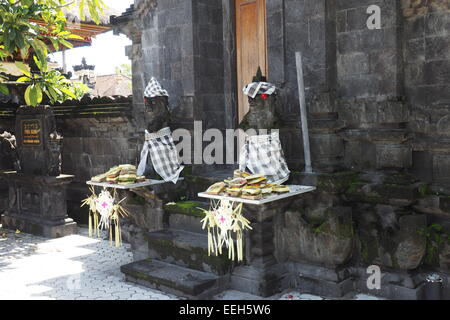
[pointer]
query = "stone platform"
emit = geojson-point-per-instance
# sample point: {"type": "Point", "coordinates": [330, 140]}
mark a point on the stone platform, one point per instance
{"type": "Point", "coordinates": [37, 205]}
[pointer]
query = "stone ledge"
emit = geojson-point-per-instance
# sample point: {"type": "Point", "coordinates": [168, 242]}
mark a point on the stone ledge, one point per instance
{"type": "Point", "coordinates": [49, 229]}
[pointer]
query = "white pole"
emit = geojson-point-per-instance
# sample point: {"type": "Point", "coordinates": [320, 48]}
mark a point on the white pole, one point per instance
{"type": "Point", "coordinates": [303, 112]}
{"type": "Point", "coordinates": [64, 60]}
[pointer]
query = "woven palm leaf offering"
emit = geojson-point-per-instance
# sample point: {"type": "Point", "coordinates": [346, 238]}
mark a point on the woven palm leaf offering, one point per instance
{"type": "Point", "coordinates": [105, 213]}
{"type": "Point", "coordinates": [225, 223]}
{"type": "Point", "coordinates": [93, 214]}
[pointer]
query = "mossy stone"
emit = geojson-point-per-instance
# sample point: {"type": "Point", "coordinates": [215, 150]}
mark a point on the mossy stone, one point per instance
{"type": "Point", "coordinates": [189, 208]}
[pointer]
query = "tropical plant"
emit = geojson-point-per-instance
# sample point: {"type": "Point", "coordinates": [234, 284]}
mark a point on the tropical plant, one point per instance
{"type": "Point", "coordinates": [27, 29]}
{"type": "Point", "coordinates": [124, 69]}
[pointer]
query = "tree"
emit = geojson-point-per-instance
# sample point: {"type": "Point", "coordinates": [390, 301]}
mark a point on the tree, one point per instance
{"type": "Point", "coordinates": [124, 69]}
{"type": "Point", "coordinates": [23, 39]}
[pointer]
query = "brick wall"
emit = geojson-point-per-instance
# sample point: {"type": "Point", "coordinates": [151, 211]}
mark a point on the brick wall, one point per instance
{"type": "Point", "coordinates": [368, 61]}
{"type": "Point", "coordinates": [427, 76]}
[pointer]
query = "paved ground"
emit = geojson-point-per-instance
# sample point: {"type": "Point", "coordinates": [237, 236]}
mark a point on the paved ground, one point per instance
{"type": "Point", "coordinates": [79, 268]}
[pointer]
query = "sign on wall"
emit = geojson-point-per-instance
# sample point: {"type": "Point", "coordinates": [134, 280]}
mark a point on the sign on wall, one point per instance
{"type": "Point", "coordinates": [31, 132]}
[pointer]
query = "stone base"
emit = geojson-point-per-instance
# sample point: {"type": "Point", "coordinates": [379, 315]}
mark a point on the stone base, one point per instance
{"type": "Point", "coordinates": [262, 278]}
{"type": "Point", "coordinates": [38, 205]}
{"type": "Point", "coordinates": [395, 285]}
{"type": "Point", "coordinates": [317, 280]}
{"type": "Point", "coordinates": [48, 229]}
{"type": "Point", "coordinates": [392, 291]}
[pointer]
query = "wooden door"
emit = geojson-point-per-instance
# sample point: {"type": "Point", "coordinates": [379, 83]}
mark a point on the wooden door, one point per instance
{"type": "Point", "coordinates": [251, 46]}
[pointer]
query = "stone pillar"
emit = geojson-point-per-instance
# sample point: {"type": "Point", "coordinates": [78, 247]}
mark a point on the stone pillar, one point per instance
{"type": "Point", "coordinates": [261, 273]}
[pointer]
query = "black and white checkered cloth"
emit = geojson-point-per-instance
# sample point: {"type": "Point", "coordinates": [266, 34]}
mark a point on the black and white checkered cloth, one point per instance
{"type": "Point", "coordinates": [264, 155]}
{"type": "Point", "coordinates": [163, 153]}
{"type": "Point", "coordinates": [154, 89]}
{"type": "Point", "coordinates": [255, 88]}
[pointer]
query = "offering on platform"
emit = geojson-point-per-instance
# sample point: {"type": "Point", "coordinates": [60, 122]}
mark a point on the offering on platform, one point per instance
{"type": "Point", "coordinates": [241, 174]}
{"type": "Point", "coordinates": [100, 178]}
{"type": "Point", "coordinates": [124, 174]}
{"type": "Point", "coordinates": [247, 186]}
{"type": "Point", "coordinates": [216, 188]}
{"type": "Point", "coordinates": [255, 179]}
{"type": "Point", "coordinates": [251, 193]}
{"type": "Point", "coordinates": [280, 189]}
{"type": "Point", "coordinates": [237, 183]}
{"type": "Point", "coordinates": [234, 192]}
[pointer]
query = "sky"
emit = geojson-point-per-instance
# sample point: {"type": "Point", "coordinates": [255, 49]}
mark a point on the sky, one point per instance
{"type": "Point", "coordinates": [107, 50]}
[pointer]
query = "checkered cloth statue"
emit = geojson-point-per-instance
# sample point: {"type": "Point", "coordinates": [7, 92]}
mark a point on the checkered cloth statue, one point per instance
{"type": "Point", "coordinates": [163, 153]}
{"type": "Point", "coordinates": [263, 154]}
{"type": "Point", "coordinates": [255, 88]}
{"type": "Point", "coordinates": [154, 89]}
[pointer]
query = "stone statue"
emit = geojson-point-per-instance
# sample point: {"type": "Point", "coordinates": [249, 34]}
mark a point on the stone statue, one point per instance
{"type": "Point", "coordinates": [54, 146]}
{"type": "Point", "coordinates": [156, 106]}
{"type": "Point", "coordinates": [9, 157]}
{"type": "Point", "coordinates": [157, 113]}
{"type": "Point", "coordinates": [262, 113]}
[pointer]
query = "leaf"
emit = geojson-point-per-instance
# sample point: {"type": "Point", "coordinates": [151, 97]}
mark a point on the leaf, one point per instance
{"type": "Point", "coordinates": [24, 68]}
{"type": "Point", "coordinates": [12, 34]}
{"type": "Point", "coordinates": [81, 7]}
{"type": "Point", "coordinates": [24, 52]}
{"type": "Point", "coordinates": [27, 96]}
{"type": "Point", "coordinates": [66, 43]}
{"type": "Point", "coordinates": [38, 63]}
{"type": "Point", "coordinates": [4, 89]}
{"type": "Point", "coordinates": [23, 79]}
{"type": "Point", "coordinates": [68, 92]}
{"type": "Point", "coordinates": [41, 51]}
{"type": "Point", "coordinates": [55, 43]}
{"type": "Point", "coordinates": [40, 46]}
{"type": "Point", "coordinates": [37, 92]}
{"type": "Point", "coordinates": [51, 93]}
{"type": "Point", "coordinates": [74, 36]}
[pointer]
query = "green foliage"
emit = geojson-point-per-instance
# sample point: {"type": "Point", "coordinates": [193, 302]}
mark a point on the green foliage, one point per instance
{"type": "Point", "coordinates": [21, 35]}
{"type": "Point", "coordinates": [124, 69]}
{"type": "Point", "coordinates": [49, 82]}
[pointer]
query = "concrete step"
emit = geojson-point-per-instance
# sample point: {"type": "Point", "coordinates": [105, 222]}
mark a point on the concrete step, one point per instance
{"type": "Point", "coordinates": [186, 215]}
{"type": "Point", "coordinates": [186, 249]}
{"type": "Point", "coordinates": [188, 283]}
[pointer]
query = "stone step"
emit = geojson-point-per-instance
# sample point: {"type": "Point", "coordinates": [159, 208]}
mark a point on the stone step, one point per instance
{"type": "Point", "coordinates": [186, 249]}
{"type": "Point", "coordinates": [188, 283]}
{"type": "Point", "coordinates": [186, 215]}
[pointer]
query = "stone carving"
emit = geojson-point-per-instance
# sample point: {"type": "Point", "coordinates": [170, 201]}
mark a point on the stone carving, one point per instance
{"type": "Point", "coordinates": [9, 157]}
{"type": "Point", "coordinates": [157, 113]}
{"type": "Point", "coordinates": [54, 148]}
{"type": "Point", "coordinates": [263, 111]}
{"type": "Point", "coordinates": [262, 114]}
{"type": "Point", "coordinates": [39, 144]}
